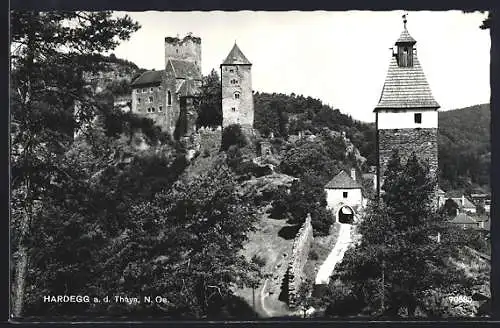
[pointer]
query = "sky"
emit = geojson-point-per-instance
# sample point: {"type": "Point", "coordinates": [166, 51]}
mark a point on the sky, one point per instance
{"type": "Point", "coordinates": [340, 58]}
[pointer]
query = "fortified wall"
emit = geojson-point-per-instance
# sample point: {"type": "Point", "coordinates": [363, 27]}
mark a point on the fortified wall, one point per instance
{"type": "Point", "coordinates": [300, 252]}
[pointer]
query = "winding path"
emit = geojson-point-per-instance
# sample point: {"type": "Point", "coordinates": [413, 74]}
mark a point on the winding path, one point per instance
{"type": "Point", "coordinates": [343, 241]}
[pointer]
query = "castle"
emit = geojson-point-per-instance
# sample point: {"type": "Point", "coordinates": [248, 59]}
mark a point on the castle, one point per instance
{"type": "Point", "coordinates": [171, 96]}
{"type": "Point", "coordinates": [406, 114]}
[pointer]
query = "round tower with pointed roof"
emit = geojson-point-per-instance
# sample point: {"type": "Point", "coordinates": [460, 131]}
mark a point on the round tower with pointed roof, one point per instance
{"type": "Point", "coordinates": [237, 97]}
{"type": "Point", "coordinates": [406, 114]}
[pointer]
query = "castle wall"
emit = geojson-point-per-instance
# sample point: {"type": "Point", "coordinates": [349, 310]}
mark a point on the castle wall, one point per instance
{"type": "Point", "coordinates": [421, 141]}
{"type": "Point", "coordinates": [157, 109]}
{"type": "Point", "coordinates": [300, 253]}
{"type": "Point", "coordinates": [237, 109]}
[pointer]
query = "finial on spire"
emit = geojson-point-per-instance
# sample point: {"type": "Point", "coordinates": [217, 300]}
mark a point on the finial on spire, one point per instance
{"type": "Point", "coordinates": [405, 20]}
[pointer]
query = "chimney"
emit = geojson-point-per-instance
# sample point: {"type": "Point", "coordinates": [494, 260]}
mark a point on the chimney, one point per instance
{"type": "Point", "coordinates": [353, 174]}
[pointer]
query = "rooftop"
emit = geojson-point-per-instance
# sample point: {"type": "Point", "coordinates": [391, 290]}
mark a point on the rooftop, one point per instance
{"type": "Point", "coordinates": [148, 78]}
{"type": "Point", "coordinates": [342, 181]}
{"type": "Point", "coordinates": [406, 87]}
{"type": "Point", "coordinates": [185, 69]}
{"type": "Point", "coordinates": [236, 57]}
{"type": "Point", "coordinates": [463, 219]}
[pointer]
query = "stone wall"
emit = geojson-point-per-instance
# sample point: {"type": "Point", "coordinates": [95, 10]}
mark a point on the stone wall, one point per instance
{"type": "Point", "coordinates": [209, 139]}
{"type": "Point", "coordinates": [421, 141]}
{"type": "Point", "coordinates": [298, 259]}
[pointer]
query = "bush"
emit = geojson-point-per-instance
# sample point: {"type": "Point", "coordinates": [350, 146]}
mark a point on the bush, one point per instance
{"type": "Point", "coordinates": [233, 135]}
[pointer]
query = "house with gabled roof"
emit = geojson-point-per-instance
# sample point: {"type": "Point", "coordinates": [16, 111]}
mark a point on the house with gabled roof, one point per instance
{"type": "Point", "coordinates": [344, 196]}
{"type": "Point", "coordinates": [465, 221]}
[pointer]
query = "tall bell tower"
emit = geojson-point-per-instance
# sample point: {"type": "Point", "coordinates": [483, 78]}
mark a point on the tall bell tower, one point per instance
{"type": "Point", "coordinates": [406, 114]}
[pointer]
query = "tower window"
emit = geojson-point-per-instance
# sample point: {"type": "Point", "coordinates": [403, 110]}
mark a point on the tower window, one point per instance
{"type": "Point", "coordinates": [138, 100]}
{"type": "Point", "coordinates": [236, 96]}
{"type": "Point", "coordinates": [344, 194]}
{"type": "Point", "coordinates": [160, 108]}
{"type": "Point", "coordinates": [153, 110]}
{"type": "Point", "coordinates": [231, 70]}
{"type": "Point", "coordinates": [151, 89]}
{"type": "Point", "coordinates": [233, 109]}
{"type": "Point", "coordinates": [150, 99]}
{"type": "Point", "coordinates": [418, 117]}
{"type": "Point", "coordinates": [169, 98]}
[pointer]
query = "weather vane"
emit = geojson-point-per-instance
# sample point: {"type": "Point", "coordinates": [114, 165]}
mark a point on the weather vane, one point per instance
{"type": "Point", "coordinates": [404, 19]}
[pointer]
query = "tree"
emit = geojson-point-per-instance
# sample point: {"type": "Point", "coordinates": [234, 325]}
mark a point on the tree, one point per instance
{"type": "Point", "coordinates": [233, 135]}
{"type": "Point", "coordinates": [397, 261]}
{"type": "Point", "coordinates": [50, 51]}
{"type": "Point", "coordinates": [306, 195]}
{"type": "Point", "coordinates": [210, 112]}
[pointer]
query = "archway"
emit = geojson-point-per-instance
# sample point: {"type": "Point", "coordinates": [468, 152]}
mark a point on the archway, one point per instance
{"type": "Point", "coordinates": [345, 215]}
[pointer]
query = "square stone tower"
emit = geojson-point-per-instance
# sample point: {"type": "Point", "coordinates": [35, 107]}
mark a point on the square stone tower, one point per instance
{"type": "Point", "coordinates": [406, 115]}
{"type": "Point", "coordinates": [237, 97]}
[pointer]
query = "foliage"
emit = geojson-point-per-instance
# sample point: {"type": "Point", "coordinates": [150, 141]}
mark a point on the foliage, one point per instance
{"type": "Point", "coordinates": [182, 244]}
{"type": "Point", "coordinates": [397, 260]}
{"type": "Point", "coordinates": [306, 196]}
{"type": "Point", "coordinates": [285, 115]}
{"type": "Point", "coordinates": [50, 52]}
{"type": "Point", "coordinates": [464, 148]}
{"type": "Point", "coordinates": [233, 135]}
{"type": "Point", "coordinates": [210, 113]}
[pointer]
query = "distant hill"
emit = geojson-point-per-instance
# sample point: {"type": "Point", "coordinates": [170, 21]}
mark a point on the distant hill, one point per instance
{"type": "Point", "coordinates": [285, 115]}
{"type": "Point", "coordinates": [464, 148]}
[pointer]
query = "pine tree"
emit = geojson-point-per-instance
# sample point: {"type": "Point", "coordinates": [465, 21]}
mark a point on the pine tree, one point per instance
{"type": "Point", "coordinates": [50, 52]}
{"type": "Point", "coordinates": [397, 261]}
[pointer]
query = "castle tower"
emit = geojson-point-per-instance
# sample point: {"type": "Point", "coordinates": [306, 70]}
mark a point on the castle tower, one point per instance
{"type": "Point", "coordinates": [406, 115]}
{"type": "Point", "coordinates": [187, 49]}
{"type": "Point", "coordinates": [237, 98]}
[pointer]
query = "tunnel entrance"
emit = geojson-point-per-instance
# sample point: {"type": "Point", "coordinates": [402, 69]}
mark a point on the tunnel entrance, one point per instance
{"type": "Point", "coordinates": [346, 215]}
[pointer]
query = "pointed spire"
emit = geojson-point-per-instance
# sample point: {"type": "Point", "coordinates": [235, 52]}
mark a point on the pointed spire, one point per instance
{"type": "Point", "coordinates": [405, 37]}
{"type": "Point", "coordinates": [236, 57]}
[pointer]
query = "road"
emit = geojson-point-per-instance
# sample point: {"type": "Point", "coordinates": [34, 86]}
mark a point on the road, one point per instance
{"type": "Point", "coordinates": [343, 241]}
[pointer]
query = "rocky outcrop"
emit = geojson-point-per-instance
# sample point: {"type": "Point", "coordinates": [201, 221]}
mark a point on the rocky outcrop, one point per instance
{"type": "Point", "coordinates": [300, 252]}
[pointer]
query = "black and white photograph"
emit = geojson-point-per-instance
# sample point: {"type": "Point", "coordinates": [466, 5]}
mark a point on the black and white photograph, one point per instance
{"type": "Point", "coordinates": [249, 165]}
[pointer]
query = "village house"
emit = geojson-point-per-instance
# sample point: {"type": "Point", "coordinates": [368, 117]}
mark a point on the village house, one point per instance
{"type": "Point", "coordinates": [465, 221]}
{"type": "Point", "coordinates": [344, 196]}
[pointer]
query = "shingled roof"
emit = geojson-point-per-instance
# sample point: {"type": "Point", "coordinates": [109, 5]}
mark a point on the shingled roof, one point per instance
{"type": "Point", "coordinates": [148, 78]}
{"type": "Point", "coordinates": [185, 69]}
{"type": "Point", "coordinates": [406, 87]}
{"type": "Point", "coordinates": [236, 57]}
{"type": "Point", "coordinates": [405, 37]}
{"type": "Point", "coordinates": [342, 181]}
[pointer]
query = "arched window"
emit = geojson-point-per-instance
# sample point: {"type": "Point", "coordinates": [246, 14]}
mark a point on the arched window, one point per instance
{"type": "Point", "coordinates": [236, 95]}
{"type": "Point", "coordinates": [169, 98]}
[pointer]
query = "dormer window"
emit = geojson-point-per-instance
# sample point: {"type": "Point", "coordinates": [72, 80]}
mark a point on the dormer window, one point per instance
{"type": "Point", "coordinates": [418, 118]}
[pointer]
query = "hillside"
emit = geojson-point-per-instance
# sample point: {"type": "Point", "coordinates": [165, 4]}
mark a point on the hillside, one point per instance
{"type": "Point", "coordinates": [464, 148]}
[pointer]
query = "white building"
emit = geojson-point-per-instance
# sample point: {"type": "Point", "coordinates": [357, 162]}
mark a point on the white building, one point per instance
{"type": "Point", "coordinates": [344, 196]}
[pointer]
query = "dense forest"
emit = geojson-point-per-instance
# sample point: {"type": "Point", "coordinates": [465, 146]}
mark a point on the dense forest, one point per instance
{"type": "Point", "coordinates": [465, 149]}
